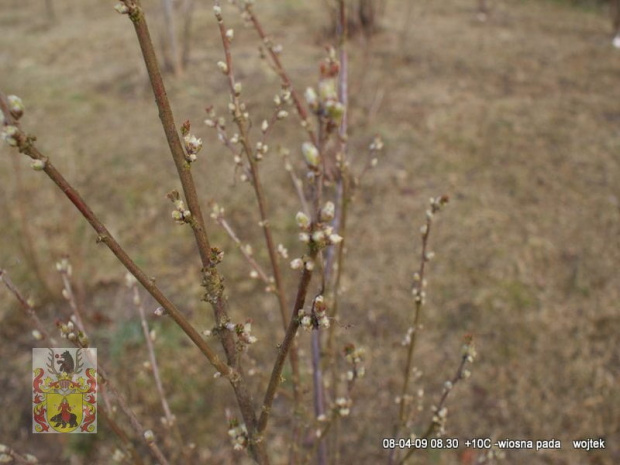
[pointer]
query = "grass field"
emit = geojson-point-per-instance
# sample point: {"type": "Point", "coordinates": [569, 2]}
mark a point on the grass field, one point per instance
{"type": "Point", "coordinates": [516, 118]}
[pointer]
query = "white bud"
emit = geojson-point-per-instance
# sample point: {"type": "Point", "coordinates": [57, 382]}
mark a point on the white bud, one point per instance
{"type": "Point", "coordinates": [230, 34]}
{"type": "Point", "coordinates": [223, 67]}
{"type": "Point", "coordinates": [327, 89]}
{"type": "Point", "coordinates": [377, 144]}
{"type": "Point", "coordinates": [8, 135]}
{"type": "Point", "coordinates": [121, 8]}
{"type": "Point", "coordinates": [282, 251]}
{"type": "Point", "coordinates": [16, 106]}
{"type": "Point", "coordinates": [38, 165]}
{"type": "Point", "coordinates": [328, 212]}
{"type": "Point", "coordinates": [335, 239]}
{"type": "Point", "coordinates": [318, 236]}
{"type": "Point", "coordinates": [302, 220]}
{"type": "Point", "coordinates": [311, 154]}
{"type": "Point", "coordinates": [311, 98]}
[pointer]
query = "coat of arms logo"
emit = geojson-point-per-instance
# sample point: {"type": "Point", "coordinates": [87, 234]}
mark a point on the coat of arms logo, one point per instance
{"type": "Point", "coordinates": [64, 390]}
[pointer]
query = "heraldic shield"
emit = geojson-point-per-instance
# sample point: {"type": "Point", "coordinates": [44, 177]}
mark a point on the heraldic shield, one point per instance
{"type": "Point", "coordinates": [64, 390]}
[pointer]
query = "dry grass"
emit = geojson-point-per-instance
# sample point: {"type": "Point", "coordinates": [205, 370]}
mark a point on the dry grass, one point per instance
{"type": "Point", "coordinates": [517, 119]}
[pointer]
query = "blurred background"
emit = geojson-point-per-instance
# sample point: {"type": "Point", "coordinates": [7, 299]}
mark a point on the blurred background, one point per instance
{"type": "Point", "coordinates": [514, 113]}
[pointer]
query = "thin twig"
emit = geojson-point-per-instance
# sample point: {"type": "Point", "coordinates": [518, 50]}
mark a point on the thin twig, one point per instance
{"type": "Point", "coordinates": [284, 77]}
{"type": "Point", "coordinates": [440, 411]}
{"type": "Point", "coordinates": [419, 284]}
{"type": "Point", "coordinates": [64, 268]}
{"type": "Point", "coordinates": [219, 218]}
{"type": "Point", "coordinates": [28, 308]}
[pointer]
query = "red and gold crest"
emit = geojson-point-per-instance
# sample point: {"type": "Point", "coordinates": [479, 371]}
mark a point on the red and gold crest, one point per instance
{"type": "Point", "coordinates": [64, 390]}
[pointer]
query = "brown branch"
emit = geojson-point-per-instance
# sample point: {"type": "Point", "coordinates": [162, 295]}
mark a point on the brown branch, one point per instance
{"type": "Point", "coordinates": [285, 347]}
{"type": "Point", "coordinates": [211, 278]}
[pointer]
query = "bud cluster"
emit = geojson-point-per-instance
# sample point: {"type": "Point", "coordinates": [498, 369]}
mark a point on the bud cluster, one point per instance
{"type": "Point", "coordinates": [69, 331]}
{"type": "Point", "coordinates": [419, 284]}
{"type": "Point", "coordinates": [64, 267]}
{"type": "Point", "coordinates": [317, 317]}
{"type": "Point", "coordinates": [238, 434]}
{"type": "Point", "coordinates": [354, 356]}
{"type": "Point", "coordinates": [342, 406]}
{"type": "Point", "coordinates": [440, 417]}
{"type": "Point", "coordinates": [375, 146]}
{"type": "Point", "coordinates": [242, 330]}
{"type": "Point", "coordinates": [192, 144]}
{"type": "Point", "coordinates": [468, 350]}
{"type": "Point", "coordinates": [319, 234]}
{"type": "Point", "coordinates": [326, 102]}
{"type": "Point", "coordinates": [10, 135]}
{"type": "Point", "coordinates": [180, 214]}
{"type": "Point", "coordinates": [436, 204]}
{"type": "Point", "coordinates": [282, 251]}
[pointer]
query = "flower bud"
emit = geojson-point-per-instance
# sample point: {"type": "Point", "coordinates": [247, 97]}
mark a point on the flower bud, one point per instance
{"type": "Point", "coordinates": [8, 135]}
{"type": "Point", "coordinates": [327, 89]}
{"type": "Point", "coordinates": [335, 110]}
{"type": "Point", "coordinates": [121, 8]}
{"type": "Point", "coordinates": [223, 67]}
{"type": "Point", "coordinates": [311, 154]}
{"type": "Point", "coordinates": [311, 98]}
{"type": "Point", "coordinates": [16, 106]}
{"type": "Point", "coordinates": [149, 436]}
{"type": "Point", "coordinates": [302, 220]}
{"type": "Point", "coordinates": [38, 165]}
{"type": "Point", "coordinates": [328, 212]}
{"type": "Point", "coordinates": [335, 239]}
